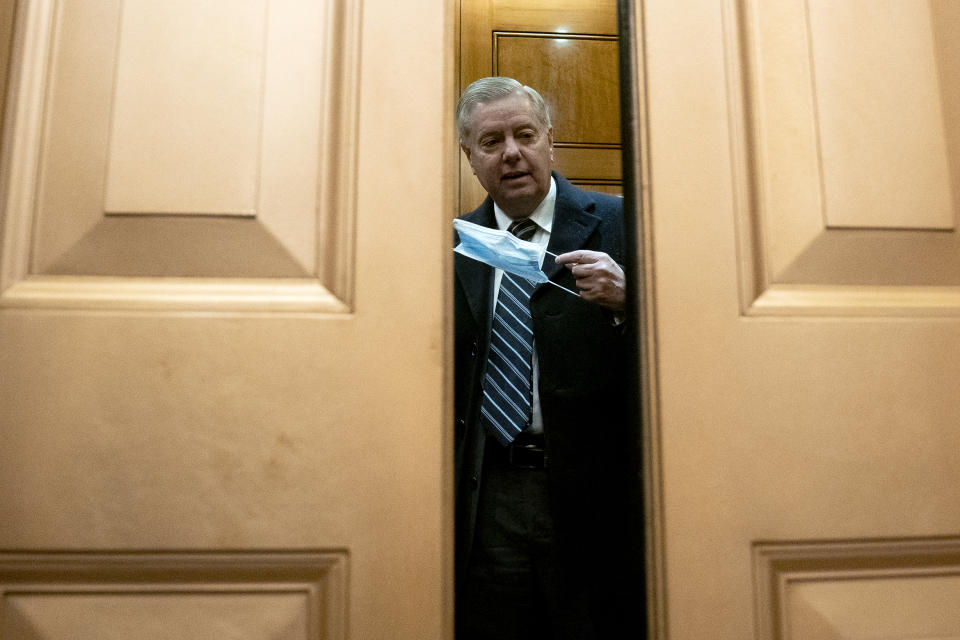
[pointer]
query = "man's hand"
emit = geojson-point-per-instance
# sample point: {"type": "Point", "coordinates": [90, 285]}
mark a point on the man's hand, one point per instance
{"type": "Point", "coordinates": [599, 278]}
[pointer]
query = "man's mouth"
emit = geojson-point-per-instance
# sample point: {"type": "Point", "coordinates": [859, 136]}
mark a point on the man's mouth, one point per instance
{"type": "Point", "coordinates": [513, 175]}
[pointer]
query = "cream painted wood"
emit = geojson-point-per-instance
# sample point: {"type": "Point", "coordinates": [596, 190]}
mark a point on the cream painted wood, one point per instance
{"type": "Point", "coordinates": [273, 594]}
{"type": "Point", "coordinates": [789, 149]}
{"type": "Point", "coordinates": [237, 412]}
{"type": "Point", "coordinates": [920, 606]}
{"type": "Point", "coordinates": [144, 103]}
{"type": "Point", "coordinates": [109, 616]}
{"type": "Point", "coordinates": [898, 588]}
{"type": "Point", "coordinates": [878, 104]}
{"type": "Point", "coordinates": [202, 76]}
{"type": "Point", "coordinates": [825, 416]}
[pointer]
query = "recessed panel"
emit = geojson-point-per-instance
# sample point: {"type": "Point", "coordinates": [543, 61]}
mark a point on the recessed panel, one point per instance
{"type": "Point", "coordinates": [881, 126]}
{"type": "Point", "coordinates": [889, 607]}
{"type": "Point", "coordinates": [576, 74]}
{"type": "Point", "coordinates": [185, 132]}
{"type": "Point", "coordinates": [153, 113]}
{"type": "Point", "coordinates": [190, 595]}
{"type": "Point", "coordinates": [846, 123]}
{"type": "Point", "coordinates": [180, 141]}
{"type": "Point", "coordinates": [896, 588]}
{"type": "Point", "coordinates": [599, 16]}
{"type": "Point", "coordinates": [152, 616]}
{"type": "Point", "coordinates": [577, 163]}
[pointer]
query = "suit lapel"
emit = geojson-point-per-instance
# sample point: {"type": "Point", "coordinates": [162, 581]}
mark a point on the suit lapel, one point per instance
{"type": "Point", "coordinates": [573, 222]}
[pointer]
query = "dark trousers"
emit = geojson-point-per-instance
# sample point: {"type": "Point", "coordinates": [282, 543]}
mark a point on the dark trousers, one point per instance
{"type": "Point", "coordinates": [517, 586]}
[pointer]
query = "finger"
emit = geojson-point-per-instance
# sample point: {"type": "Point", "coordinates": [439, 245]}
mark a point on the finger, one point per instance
{"type": "Point", "coordinates": [567, 258]}
{"type": "Point", "coordinates": [586, 270]}
{"type": "Point", "coordinates": [579, 256]}
{"type": "Point", "coordinates": [586, 284]}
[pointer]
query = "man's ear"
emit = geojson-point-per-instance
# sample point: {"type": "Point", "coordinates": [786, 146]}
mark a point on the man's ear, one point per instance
{"type": "Point", "coordinates": [550, 142]}
{"type": "Point", "coordinates": [466, 150]}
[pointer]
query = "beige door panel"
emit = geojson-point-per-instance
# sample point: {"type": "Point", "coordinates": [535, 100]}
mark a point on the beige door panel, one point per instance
{"type": "Point", "coordinates": [802, 204]}
{"type": "Point", "coordinates": [222, 320]}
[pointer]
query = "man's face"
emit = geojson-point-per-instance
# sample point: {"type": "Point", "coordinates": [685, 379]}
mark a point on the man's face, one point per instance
{"type": "Point", "coordinates": [511, 153]}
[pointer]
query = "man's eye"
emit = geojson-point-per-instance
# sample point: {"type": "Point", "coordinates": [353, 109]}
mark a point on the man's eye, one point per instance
{"type": "Point", "coordinates": [488, 143]}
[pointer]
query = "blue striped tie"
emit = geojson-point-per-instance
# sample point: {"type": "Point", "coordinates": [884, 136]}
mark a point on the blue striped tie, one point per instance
{"type": "Point", "coordinates": [508, 381]}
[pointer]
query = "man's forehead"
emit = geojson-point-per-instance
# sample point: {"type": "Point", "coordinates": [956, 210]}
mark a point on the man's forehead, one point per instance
{"type": "Point", "coordinates": [511, 111]}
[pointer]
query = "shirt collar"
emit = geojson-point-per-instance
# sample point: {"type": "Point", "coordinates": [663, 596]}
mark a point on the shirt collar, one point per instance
{"type": "Point", "coordinates": [542, 215]}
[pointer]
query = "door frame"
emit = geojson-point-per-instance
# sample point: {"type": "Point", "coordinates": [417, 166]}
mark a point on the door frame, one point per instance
{"type": "Point", "coordinates": [647, 499]}
{"type": "Point", "coordinates": [646, 556]}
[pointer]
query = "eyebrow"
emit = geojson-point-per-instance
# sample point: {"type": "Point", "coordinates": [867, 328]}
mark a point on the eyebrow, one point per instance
{"type": "Point", "coordinates": [533, 124]}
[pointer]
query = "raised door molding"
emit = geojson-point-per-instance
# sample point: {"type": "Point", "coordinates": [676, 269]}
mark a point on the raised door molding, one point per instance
{"type": "Point", "coordinates": [897, 588]}
{"type": "Point", "coordinates": [211, 168]}
{"type": "Point", "coordinates": [191, 595]}
{"type": "Point", "coordinates": [846, 148]}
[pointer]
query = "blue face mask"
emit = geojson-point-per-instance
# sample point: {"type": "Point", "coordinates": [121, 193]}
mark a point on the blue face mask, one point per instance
{"type": "Point", "coordinates": [501, 249]}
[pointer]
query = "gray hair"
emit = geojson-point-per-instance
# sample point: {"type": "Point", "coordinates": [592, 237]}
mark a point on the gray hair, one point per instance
{"type": "Point", "coordinates": [496, 88]}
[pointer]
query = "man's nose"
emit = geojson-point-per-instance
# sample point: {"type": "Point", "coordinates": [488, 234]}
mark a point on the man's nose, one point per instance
{"type": "Point", "coordinates": [511, 151]}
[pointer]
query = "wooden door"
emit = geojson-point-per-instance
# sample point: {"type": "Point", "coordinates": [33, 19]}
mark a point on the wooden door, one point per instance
{"type": "Point", "coordinates": [804, 167]}
{"type": "Point", "coordinates": [222, 320]}
{"type": "Point", "coordinates": [565, 50]}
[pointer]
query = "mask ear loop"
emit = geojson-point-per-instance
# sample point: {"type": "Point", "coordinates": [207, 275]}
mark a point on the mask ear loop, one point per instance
{"type": "Point", "coordinates": [560, 286]}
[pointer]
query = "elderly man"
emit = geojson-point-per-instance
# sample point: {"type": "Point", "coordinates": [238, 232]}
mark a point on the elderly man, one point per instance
{"type": "Point", "coordinates": [541, 444]}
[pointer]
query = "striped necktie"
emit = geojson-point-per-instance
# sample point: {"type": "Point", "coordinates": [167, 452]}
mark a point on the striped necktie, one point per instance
{"type": "Point", "coordinates": [508, 380]}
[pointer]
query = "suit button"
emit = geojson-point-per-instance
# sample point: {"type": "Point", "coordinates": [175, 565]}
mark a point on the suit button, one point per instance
{"type": "Point", "coordinates": [474, 481]}
{"type": "Point", "coordinates": [473, 349]}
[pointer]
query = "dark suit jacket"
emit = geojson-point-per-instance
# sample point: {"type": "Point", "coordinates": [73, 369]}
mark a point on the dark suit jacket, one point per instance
{"type": "Point", "coordinates": [582, 364]}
